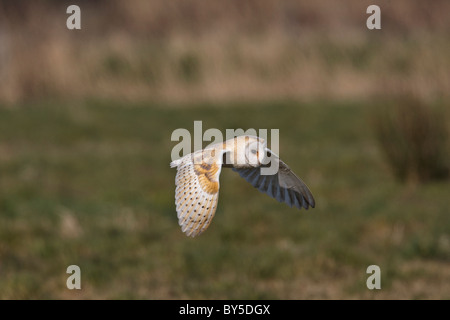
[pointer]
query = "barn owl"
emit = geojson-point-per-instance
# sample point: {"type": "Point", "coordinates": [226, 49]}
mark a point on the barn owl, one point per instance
{"type": "Point", "coordinates": [197, 180]}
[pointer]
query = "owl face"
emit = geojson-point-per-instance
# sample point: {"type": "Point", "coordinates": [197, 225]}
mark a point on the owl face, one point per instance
{"type": "Point", "coordinates": [254, 153]}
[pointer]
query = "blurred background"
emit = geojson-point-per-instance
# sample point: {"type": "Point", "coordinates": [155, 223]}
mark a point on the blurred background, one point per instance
{"type": "Point", "coordinates": [86, 118]}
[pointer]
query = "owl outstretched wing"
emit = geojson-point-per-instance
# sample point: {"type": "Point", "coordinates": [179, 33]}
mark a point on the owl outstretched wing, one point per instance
{"type": "Point", "coordinates": [197, 190]}
{"type": "Point", "coordinates": [283, 186]}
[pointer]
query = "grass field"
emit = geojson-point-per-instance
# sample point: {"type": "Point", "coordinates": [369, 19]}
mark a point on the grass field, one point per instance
{"type": "Point", "coordinates": [89, 184]}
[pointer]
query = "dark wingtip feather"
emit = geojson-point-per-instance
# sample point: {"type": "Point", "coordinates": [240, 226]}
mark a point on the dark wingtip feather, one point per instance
{"type": "Point", "coordinates": [287, 198]}
{"type": "Point", "coordinates": [297, 202]}
{"type": "Point", "coordinates": [311, 201]}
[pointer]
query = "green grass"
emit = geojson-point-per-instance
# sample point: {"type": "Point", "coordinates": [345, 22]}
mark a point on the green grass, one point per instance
{"type": "Point", "coordinates": [90, 184]}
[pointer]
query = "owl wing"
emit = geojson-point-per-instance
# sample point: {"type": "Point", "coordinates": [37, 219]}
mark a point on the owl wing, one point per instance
{"type": "Point", "coordinates": [197, 191]}
{"type": "Point", "coordinates": [284, 185]}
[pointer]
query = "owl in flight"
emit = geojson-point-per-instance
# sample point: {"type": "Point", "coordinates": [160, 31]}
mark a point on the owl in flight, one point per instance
{"type": "Point", "coordinates": [197, 179]}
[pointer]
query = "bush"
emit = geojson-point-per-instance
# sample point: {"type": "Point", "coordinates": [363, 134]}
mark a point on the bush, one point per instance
{"type": "Point", "coordinates": [413, 138]}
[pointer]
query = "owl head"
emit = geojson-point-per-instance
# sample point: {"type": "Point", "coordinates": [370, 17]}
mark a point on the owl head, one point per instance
{"type": "Point", "coordinates": [245, 151]}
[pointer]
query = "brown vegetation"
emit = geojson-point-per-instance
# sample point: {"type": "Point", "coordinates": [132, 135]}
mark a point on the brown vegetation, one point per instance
{"type": "Point", "coordinates": [414, 140]}
{"type": "Point", "coordinates": [222, 50]}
